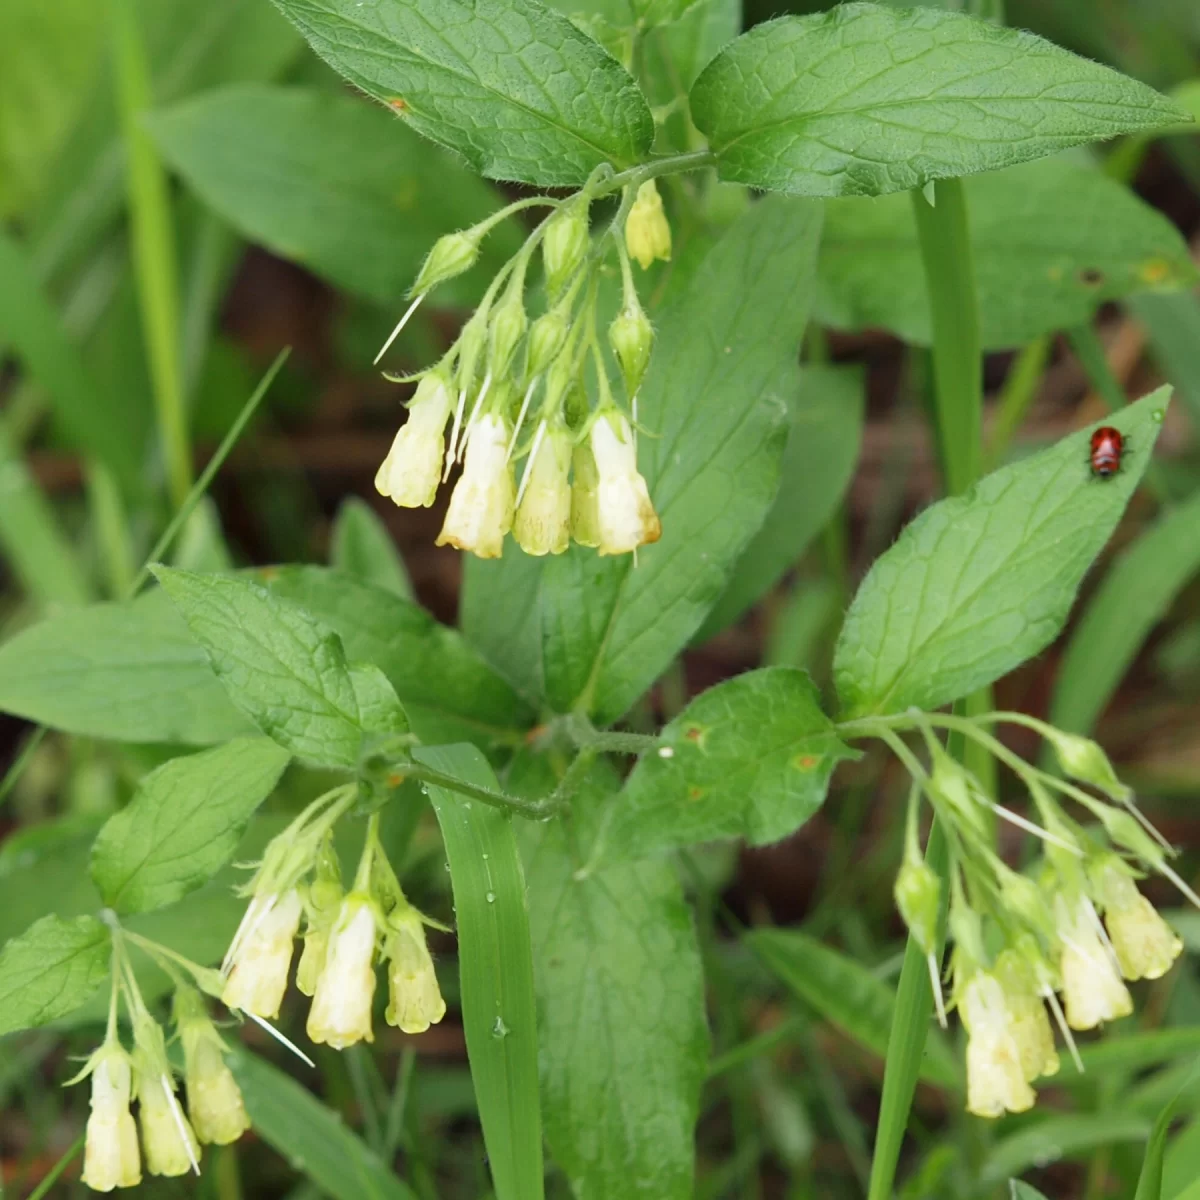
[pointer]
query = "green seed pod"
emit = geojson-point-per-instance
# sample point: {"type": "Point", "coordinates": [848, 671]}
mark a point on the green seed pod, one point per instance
{"type": "Point", "coordinates": [565, 244]}
{"type": "Point", "coordinates": [507, 329]}
{"type": "Point", "coordinates": [546, 337]}
{"type": "Point", "coordinates": [1083, 759]}
{"type": "Point", "coordinates": [632, 336]}
{"type": "Point", "coordinates": [918, 892]}
{"type": "Point", "coordinates": [451, 255]}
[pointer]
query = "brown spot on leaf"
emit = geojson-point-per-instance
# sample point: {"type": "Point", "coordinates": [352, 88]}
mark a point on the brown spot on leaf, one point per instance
{"type": "Point", "coordinates": [695, 793]}
{"type": "Point", "coordinates": [805, 762]}
{"type": "Point", "coordinates": [1156, 270]}
{"type": "Point", "coordinates": [398, 104]}
{"type": "Point", "coordinates": [395, 779]}
{"type": "Point", "coordinates": [1091, 277]}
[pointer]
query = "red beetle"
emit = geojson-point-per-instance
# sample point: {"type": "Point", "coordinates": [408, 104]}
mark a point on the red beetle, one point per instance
{"type": "Point", "coordinates": [1108, 444]}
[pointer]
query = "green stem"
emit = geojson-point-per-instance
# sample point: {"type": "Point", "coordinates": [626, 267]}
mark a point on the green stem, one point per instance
{"type": "Point", "coordinates": [944, 234]}
{"type": "Point", "coordinates": [634, 177]}
{"type": "Point", "coordinates": [534, 809]}
{"type": "Point", "coordinates": [153, 237]}
{"type": "Point", "coordinates": [1016, 396]}
{"type": "Point", "coordinates": [51, 1176]}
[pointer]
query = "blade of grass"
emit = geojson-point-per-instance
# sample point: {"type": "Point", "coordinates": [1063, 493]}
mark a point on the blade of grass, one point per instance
{"type": "Point", "coordinates": [1172, 324]}
{"type": "Point", "coordinates": [112, 528]}
{"type": "Point", "coordinates": [496, 969]}
{"type": "Point", "coordinates": [154, 253]}
{"type": "Point", "coordinates": [1016, 396]}
{"type": "Point", "coordinates": [51, 1176]}
{"type": "Point", "coordinates": [958, 378]}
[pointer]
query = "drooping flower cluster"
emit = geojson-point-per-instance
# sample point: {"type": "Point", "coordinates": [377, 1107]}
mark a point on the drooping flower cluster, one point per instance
{"type": "Point", "coordinates": [1075, 926]}
{"type": "Point", "coordinates": [580, 481]}
{"type": "Point", "coordinates": [345, 934]}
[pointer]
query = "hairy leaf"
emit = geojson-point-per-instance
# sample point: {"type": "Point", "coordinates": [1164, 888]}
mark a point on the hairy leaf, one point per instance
{"type": "Point", "coordinates": [867, 99]}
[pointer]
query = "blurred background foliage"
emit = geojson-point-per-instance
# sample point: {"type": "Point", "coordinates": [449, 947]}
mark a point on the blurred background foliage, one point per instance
{"type": "Point", "coordinates": [175, 211]}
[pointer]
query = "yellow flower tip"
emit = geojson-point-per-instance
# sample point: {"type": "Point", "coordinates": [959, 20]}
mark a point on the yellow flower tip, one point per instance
{"type": "Point", "coordinates": [1028, 1020]}
{"type": "Point", "coordinates": [110, 1154]}
{"type": "Point", "coordinates": [167, 1136]}
{"type": "Point", "coordinates": [1145, 945]}
{"type": "Point", "coordinates": [481, 506]}
{"type": "Point", "coordinates": [262, 955]}
{"type": "Point", "coordinates": [340, 1014]}
{"type": "Point", "coordinates": [412, 470]}
{"type": "Point", "coordinates": [215, 1105]}
{"type": "Point", "coordinates": [647, 231]}
{"type": "Point", "coordinates": [414, 999]}
{"type": "Point", "coordinates": [543, 520]}
{"type": "Point", "coordinates": [1091, 987]}
{"type": "Point", "coordinates": [996, 1081]}
{"type": "Point", "coordinates": [625, 515]}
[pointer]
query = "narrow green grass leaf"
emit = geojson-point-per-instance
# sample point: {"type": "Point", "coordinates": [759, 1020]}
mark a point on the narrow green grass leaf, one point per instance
{"type": "Point", "coordinates": [866, 99]}
{"type": "Point", "coordinates": [848, 996]}
{"type": "Point", "coordinates": [1132, 1052]}
{"type": "Point", "coordinates": [989, 577]}
{"type": "Point", "coordinates": [1058, 1137]}
{"type": "Point", "coordinates": [496, 971]}
{"type": "Point", "coordinates": [1134, 597]}
{"type": "Point", "coordinates": [311, 1137]}
{"type": "Point", "coordinates": [153, 245]}
{"type": "Point", "coordinates": [1172, 324]}
{"type": "Point", "coordinates": [361, 546]}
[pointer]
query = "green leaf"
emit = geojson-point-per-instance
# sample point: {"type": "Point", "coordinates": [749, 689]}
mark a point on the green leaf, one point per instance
{"type": "Point", "coordinates": [865, 99]}
{"type": "Point", "coordinates": [448, 691]}
{"type": "Point", "coordinates": [1172, 324]}
{"type": "Point", "coordinates": [1134, 596]}
{"type": "Point", "coordinates": [624, 15]}
{"type": "Point", "coordinates": [822, 448]}
{"type": "Point", "coordinates": [1052, 242]}
{"type": "Point", "coordinates": [379, 709]}
{"type": "Point", "coordinates": [283, 669]}
{"type": "Point", "coordinates": [50, 970]}
{"type": "Point", "coordinates": [312, 1137]}
{"type": "Point", "coordinates": [184, 823]}
{"type": "Point", "coordinates": [623, 1037]}
{"type": "Point", "coordinates": [496, 970]}
{"type": "Point", "coordinates": [329, 182]}
{"type": "Point", "coordinates": [517, 90]}
{"type": "Point", "coordinates": [1023, 1191]}
{"type": "Point", "coordinates": [128, 672]}
{"type": "Point", "coordinates": [362, 546]}
{"type": "Point", "coordinates": [1132, 1052]}
{"type": "Point", "coordinates": [749, 758]}
{"type": "Point", "coordinates": [1058, 1137]}
{"type": "Point", "coordinates": [1150, 1179]}
{"type": "Point", "coordinates": [592, 632]}
{"type": "Point", "coordinates": [979, 583]}
{"type": "Point", "coordinates": [847, 995]}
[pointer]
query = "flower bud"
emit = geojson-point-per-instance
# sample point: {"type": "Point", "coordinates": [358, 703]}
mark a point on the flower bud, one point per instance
{"type": "Point", "coordinates": [324, 900]}
{"type": "Point", "coordinates": [1028, 1020]}
{"type": "Point", "coordinates": [546, 338]}
{"type": "Point", "coordinates": [1127, 833]}
{"type": "Point", "coordinates": [996, 1082]}
{"type": "Point", "coordinates": [647, 233]}
{"type": "Point", "coordinates": [632, 336]}
{"type": "Point", "coordinates": [168, 1140]}
{"type": "Point", "coordinates": [110, 1155]}
{"type": "Point", "coordinates": [505, 333]}
{"type": "Point", "coordinates": [1144, 943]}
{"type": "Point", "coordinates": [262, 954]}
{"type": "Point", "coordinates": [214, 1099]}
{"type": "Point", "coordinates": [585, 497]}
{"type": "Point", "coordinates": [452, 254]}
{"type": "Point", "coordinates": [414, 1000]}
{"type": "Point", "coordinates": [543, 520]}
{"type": "Point", "coordinates": [918, 891]}
{"type": "Point", "coordinates": [1092, 988]}
{"type": "Point", "coordinates": [625, 514]}
{"type": "Point", "coordinates": [413, 467]}
{"type": "Point", "coordinates": [1083, 759]}
{"type": "Point", "coordinates": [565, 243]}
{"type": "Point", "coordinates": [481, 506]}
{"type": "Point", "coordinates": [341, 1007]}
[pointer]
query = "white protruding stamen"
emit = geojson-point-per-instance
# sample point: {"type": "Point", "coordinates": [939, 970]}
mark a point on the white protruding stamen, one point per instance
{"type": "Point", "coordinates": [1102, 934]}
{"type": "Point", "coordinates": [412, 308]}
{"type": "Point", "coordinates": [633, 405]}
{"type": "Point", "coordinates": [279, 1037]}
{"type": "Point", "coordinates": [1061, 1021]}
{"type": "Point", "coordinates": [1036, 830]}
{"type": "Point", "coordinates": [483, 391]}
{"type": "Point", "coordinates": [247, 928]}
{"type": "Point", "coordinates": [512, 442]}
{"type": "Point", "coordinates": [936, 983]}
{"type": "Point", "coordinates": [451, 449]}
{"type": "Point", "coordinates": [173, 1105]}
{"type": "Point", "coordinates": [537, 441]}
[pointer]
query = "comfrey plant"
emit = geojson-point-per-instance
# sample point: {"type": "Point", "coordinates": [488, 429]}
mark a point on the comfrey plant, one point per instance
{"type": "Point", "coordinates": [630, 384]}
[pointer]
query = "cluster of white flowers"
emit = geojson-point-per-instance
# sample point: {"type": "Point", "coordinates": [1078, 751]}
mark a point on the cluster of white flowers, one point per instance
{"type": "Point", "coordinates": [580, 481]}
{"type": "Point", "coordinates": [1074, 927]}
{"type": "Point", "coordinates": [171, 1135]}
